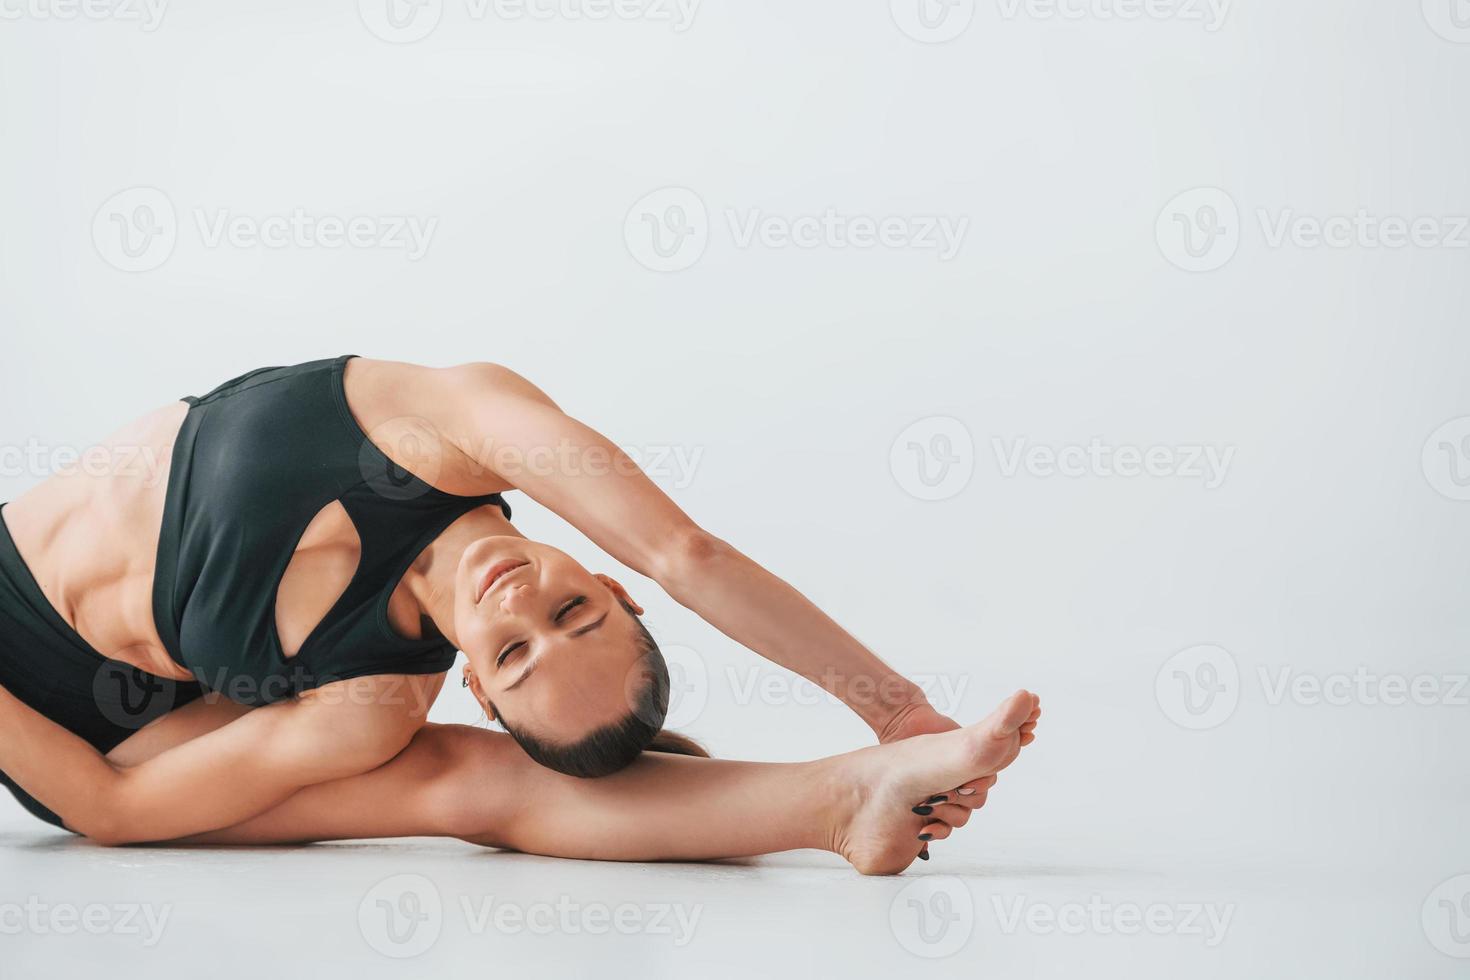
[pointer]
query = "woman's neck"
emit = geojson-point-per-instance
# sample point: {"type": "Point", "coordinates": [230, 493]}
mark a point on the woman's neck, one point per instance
{"type": "Point", "coordinates": [430, 580]}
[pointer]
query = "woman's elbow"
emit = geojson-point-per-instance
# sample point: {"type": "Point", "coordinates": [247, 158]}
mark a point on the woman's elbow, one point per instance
{"type": "Point", "coordinates": [689, 558]}
{"type": "Point", "coordinates": [108, 830]}
{"type": "Point", "coordinates": [112, 819]}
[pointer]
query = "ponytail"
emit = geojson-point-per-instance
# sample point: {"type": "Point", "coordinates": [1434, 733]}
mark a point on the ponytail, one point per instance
{"type": "Point", "coordinates": [672, 743]}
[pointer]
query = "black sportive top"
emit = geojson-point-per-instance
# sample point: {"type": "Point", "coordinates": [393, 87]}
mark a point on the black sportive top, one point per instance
{"type": "Point", "coordinates": [256, 460]}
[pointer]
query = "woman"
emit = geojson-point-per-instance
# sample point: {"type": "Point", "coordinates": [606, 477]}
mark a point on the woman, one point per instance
{"type": "Point", "coordinates": [861, 806]}
{"type": "Point", "coordinates": [317, 541]}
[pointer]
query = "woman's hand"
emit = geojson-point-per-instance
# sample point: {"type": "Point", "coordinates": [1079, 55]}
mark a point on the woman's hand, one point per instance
{"type": "Point", "coordinates": [915, 718]}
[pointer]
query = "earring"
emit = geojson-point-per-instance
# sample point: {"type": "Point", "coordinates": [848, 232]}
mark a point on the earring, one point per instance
{"type": "Point", "coordinates": [464, 682]}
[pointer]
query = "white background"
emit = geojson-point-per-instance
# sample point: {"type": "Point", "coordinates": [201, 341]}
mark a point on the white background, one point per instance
{"type": "Point", "coordinates": [1333, 542]}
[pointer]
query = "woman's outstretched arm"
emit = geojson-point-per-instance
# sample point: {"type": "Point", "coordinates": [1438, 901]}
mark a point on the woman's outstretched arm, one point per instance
{"type": "Point", "coordinates": [515, 435]}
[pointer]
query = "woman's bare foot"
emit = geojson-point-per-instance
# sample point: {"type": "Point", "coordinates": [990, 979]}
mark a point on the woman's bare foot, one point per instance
{"type": "Point", "coordinates": [888, 805]}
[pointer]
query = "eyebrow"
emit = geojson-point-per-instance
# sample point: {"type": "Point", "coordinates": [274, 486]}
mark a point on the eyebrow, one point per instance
{"type": "Point", "coordinates": [584, 630]}
{"type": "Point", "coordinates": [531, 667]}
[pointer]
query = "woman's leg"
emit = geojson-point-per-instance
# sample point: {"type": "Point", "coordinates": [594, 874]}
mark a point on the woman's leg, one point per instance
{"type": "Point", "coordinates": [478, 785]}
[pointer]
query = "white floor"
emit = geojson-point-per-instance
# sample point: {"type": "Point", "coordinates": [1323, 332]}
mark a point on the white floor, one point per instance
{"type": "Point", "coordinates": [358, 910]}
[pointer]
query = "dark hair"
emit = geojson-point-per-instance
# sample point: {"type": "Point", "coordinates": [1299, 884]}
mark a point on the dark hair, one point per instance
{"type": "Point", "coordinates": [613, 747]}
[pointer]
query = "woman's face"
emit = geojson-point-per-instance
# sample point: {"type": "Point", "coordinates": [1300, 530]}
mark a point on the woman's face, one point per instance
{"type": "Point", "coordinates": [549, 644]}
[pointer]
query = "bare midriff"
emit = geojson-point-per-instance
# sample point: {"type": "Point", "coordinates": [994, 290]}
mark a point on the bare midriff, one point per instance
{"type": "Point", "coordinates": [90, 538]}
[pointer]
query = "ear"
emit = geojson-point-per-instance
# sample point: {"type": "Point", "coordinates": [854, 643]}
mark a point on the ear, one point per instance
{"type": "Point", "coordinates": [473, 683]}
{"type": "Point", "coordinates": [617, 589]}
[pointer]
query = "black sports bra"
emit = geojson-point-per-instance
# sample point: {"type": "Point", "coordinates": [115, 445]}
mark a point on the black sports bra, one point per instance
{"type": "Point", "coordinates": [256, 460]}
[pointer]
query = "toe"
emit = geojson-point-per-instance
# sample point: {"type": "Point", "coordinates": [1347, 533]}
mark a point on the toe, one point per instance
{"type": "Point", "coordinates": [973, 791]}
{"type": "Point", "coordinates": [934, 831]}
{"type": "Point", "coordinates": [1013, 713]}
{"type": "Point", "coordinates": [951, 814]}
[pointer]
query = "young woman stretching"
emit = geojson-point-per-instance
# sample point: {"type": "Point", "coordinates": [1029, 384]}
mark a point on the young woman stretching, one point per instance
{"type": "Point", "coordinates": [317, 541]}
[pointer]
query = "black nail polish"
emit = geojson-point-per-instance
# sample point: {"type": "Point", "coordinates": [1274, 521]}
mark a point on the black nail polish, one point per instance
{"type": "Point", "coordinates": [937, 799]}
{"type": "Point", "coordinates": [924, 854]}
{"type": "Point", "coordinates": [926, 837]}
{"type": "Point", "coordinates": [923, 811]}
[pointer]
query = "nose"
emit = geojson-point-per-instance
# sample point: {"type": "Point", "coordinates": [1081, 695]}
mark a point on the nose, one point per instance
{"type": "Point", "coordinates": [516, 600]}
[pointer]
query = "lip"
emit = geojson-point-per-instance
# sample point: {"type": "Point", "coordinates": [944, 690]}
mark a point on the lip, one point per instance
{"type": "Point", "coordinates": [495, 573]}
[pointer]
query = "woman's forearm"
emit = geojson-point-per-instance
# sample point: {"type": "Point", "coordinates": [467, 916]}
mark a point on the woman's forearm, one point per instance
{"type": "Point", "coordinates": [760, 611]}
{"type": "Point", "coordinates": [221, 777]}
{"type": "Point", "coordinates": [60, 769]}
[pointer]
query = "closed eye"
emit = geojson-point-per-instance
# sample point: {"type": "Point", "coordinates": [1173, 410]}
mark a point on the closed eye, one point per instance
{"type": "Point", "coordinates": [567, 607]}
{"type": "Point", "coordinates": [512, 648]}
